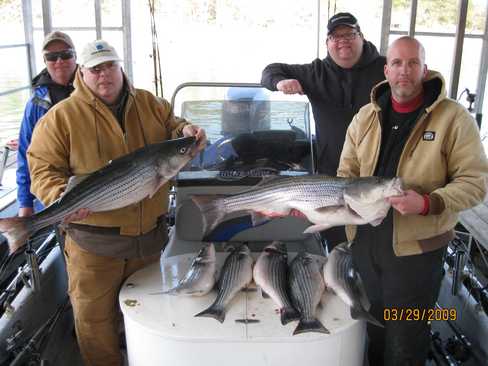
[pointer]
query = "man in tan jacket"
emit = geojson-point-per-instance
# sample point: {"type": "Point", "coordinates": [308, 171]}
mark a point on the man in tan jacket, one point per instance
{"type": "Point", "coordinates": [104, 118]}
{"type": "Point", "coordinates": [411, 130]}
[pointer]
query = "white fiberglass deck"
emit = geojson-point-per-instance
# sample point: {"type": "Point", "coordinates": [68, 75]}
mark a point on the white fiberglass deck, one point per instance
{"type": "Point", "coordinates": [162, 329]}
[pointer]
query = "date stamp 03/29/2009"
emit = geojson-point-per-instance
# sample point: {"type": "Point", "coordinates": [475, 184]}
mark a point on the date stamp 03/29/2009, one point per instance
{"type": "Point", "coordinates": [413, 314]}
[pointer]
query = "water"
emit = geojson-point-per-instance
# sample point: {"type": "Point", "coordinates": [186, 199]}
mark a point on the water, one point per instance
{"type": "Point", "coordinates": [11, 112]}
{"type": "Point", "coordinates": [218, 117]}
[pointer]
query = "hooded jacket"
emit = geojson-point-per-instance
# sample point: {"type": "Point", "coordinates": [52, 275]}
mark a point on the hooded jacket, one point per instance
{"type": "Point", "coordinates": [443, 157]}
{"type": "Point", "coordinates": [45, 94]}
{"type": "Point", "coordinates": [336, 95]}
{"type": "Point", "coordinates": [81, 135]}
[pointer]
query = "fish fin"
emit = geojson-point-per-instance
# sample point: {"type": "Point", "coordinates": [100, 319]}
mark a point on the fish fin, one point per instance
{"type": "Point", "coordinates": [376, 222]}
{"type": "Point", "coordinates": [361, 292]}
{"type": "Point", "coordinates": [160, 182]}
{"type": "Point", "coordinates": [17, 230]}
{"type": "Point", "coordinates": [330, 290]}
{"type": "Point", "coordinates": [229, 246]}
{"type": "Point", "coordinates": [258, 218]}
{"type": "Point", "coordinates": [194, 293]}
{"type": "Point", "coordinates": [214, 311]}
{"type": "Point", "coordinates": [288, 314]}
{"type": "Point", "coordinates": [310, 325]}
{"type": "Point", "coordinates": [327, 209]}
{"type": "Point", "coordinates": [321, 261]}
{"type": "Point", "coordinates": [316, 228]}
{"type": "Point", "coordinates": [210, 208]}
{"type": "Point", "coordinates": [267, 179]}
{"type": "Point", "coordinates": [360, 313]}
{"type": "Point", "coordinates": [204, 260]}
{"type": "Point", "coordinates": [73, 181]}
{"type": "Point", "coordinates": [249, 289]}
{"type": "Point", "coordinates": [264, 294]}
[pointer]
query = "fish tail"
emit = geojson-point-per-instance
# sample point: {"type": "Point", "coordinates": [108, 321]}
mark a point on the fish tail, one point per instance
{"type": "Point", "coordinates": [211, 208]}
{"type": "Point", "coordinates": [215, 311]}
{"type": "Point", "coordinates": [364, 315]}
{"type": "Point", "coordinates": [316, 228]}
{"type": "Point", "coordinates": [288, 314]}
{"type": "Point", "coordinates": [17, 230]}
{"type": "Point", "coordinates": [310, 325]}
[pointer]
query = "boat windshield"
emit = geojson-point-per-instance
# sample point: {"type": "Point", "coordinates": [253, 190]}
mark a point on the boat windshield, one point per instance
{"type": "Point", "coordinates": [250, 130]}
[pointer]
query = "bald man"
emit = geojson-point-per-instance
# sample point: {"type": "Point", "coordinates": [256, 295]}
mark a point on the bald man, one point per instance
{"type": "Point", "coordinates": [411, 130]}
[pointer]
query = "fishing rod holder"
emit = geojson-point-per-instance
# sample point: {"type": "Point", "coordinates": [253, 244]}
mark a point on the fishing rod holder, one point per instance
{"type": "Point", "coordinates": [33, 266]}
{"type": "Point", "coordinates": [458, 270]}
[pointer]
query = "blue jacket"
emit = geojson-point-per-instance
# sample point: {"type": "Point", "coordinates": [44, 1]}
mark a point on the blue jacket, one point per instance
{"type": "Point", "coordinates": [37, 106]}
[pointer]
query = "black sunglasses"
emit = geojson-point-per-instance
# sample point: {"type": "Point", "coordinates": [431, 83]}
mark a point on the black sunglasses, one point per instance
{"type": "Point", "coordinates": [63, 55]}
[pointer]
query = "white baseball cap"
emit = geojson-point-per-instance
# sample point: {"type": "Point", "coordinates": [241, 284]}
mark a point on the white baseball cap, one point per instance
{"type": "Point", "coordinates": [98, 52]}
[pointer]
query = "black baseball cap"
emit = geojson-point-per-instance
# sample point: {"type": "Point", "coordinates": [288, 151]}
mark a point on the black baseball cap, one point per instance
{"type": "Point", "coordinates": [346, 19]}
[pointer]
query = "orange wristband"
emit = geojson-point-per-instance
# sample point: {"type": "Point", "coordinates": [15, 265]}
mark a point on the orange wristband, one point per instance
{"type": "Point", "coordinates": [425, 211]}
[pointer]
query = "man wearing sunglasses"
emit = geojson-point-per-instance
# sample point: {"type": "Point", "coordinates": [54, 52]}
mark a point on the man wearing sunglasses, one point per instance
{"type": "Point", "coordinates": [105, 118]}
{"type": "Point", "coordinates": [337, 87]}
{"type": "Point", "coordinates": [50, 86]}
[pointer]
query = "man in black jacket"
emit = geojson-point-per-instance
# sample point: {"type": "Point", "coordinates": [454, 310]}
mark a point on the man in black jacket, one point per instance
{"type": "Point", "coordinates": [337, 88]}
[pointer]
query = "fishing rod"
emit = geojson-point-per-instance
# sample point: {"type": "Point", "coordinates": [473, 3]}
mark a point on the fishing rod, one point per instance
{"type": "Point", "coordinates": [33, 348]}
{"type": "Point", "coordinates": [456, 259]}
{"type": "Point", "coordinates": [440, 355]}
{"type": "Point", "coordinates": [28, 275]}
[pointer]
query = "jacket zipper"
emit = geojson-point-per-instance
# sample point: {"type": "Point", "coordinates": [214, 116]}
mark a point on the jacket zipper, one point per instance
{"type": "Point", "coordinates": [417, 126]}
{"type": "Point", "coordinates": [378, 148]}
{"type": "Point", "coordinates": [127, 107]}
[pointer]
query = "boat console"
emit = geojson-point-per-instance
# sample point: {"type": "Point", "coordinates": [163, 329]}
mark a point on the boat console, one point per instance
{"type": "Point", "coordinates": [252, 134]}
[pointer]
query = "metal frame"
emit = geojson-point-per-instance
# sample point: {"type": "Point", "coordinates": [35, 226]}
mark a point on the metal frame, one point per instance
{"type": "Point", "coordinates": [413, 17]}
{"type": "Point", "coordinates": [28, 35]}
{"type": "Point", "coordinates": [318, 28]}
{"type": "Point", "coordinates": [47, 21]}
{"type": "Point", "coordinates": [241, 85]}
{"type": "Point", "coordinates": [98, 19]}
{"type": "Point", "coordinates": [437, 34]}
{"type": "Point", "coordinates": [126, 29]}
{"type": "Point", "coordinates": [211, 84]}
{"type": "Point", "coordinates": [483, 70]}
{"type": "Point", "coordinates": [31, 65]}
{"type": "Point", "coordinates": [458, 50]}
{"type": "Point", "coordinates": [385, 32]}
{"type": "Point", "coordinates": [385, 25]}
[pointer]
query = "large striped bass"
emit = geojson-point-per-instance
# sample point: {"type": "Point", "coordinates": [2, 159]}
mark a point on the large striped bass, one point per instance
{"type": "Point", "coordinates": [271, 274]}
{"type": "Point", "coordinates": [124, 181]}
{"type": "Point", "coordinates": [306, 289]}
{"type": "Point", "coordinates": [236, 274]}
{"type": "Point", "coordinates": [344, 280]}
{"type": "Point", "coordinates": [325, 201]}
{"type": "Point", "coordinates": [199, 280]}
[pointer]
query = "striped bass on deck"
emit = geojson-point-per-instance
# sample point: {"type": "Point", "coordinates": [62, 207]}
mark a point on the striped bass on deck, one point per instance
{"type": "Point", "coordinates": [236, 274]}
{"type": "Point", "coordinates": [271, 274]}
{"type": "Point", "coordinates": [199, 280]}
{"type": "Point", "coordinates": [124, 181]}
{"type": "Point", "coordinates": [344, 280]}
{"type": "Point", "coordinates": [325, 201]}
{"type": "Point", "coordinates": [306, 288]}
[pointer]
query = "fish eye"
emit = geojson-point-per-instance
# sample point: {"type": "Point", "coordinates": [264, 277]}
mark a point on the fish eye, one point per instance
{"type": "Point", "coordinates": [182, 150]}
